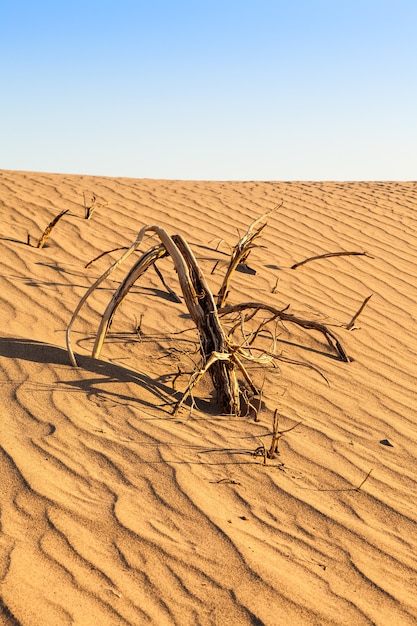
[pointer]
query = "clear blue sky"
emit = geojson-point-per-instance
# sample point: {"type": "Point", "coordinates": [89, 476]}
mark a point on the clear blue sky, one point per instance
{"type": "Point", "coordinates": [210, 89]}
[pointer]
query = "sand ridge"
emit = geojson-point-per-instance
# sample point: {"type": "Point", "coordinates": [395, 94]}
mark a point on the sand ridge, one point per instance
{"type": "Point", "coordinates": [115, 512]}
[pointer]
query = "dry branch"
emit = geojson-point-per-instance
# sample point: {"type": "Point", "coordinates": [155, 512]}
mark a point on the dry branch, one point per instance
{"type": "Point", "coordinates": [328, 255]}
{"type": "Point", "coordinates": [94, 286]}
{"type": "Point", "coordinates": [358, 312]}
{"type": "Point", "coordinates": [274, 288]}
{"type": "Point", "coordinates": [215, 357]}
{"type": "Point", "coordinates": [275, 437]}
{"type": "Point", "coordinates": [240, 253]}
{"type": "Point", "coordinates": [48, 229]}
{"type": "Point", "coordinates": [332, 340]}
{"type": "Point", "coordinates": [212, 337]}
{"type": "Point", "coordinates": [103, 254]}
{"type": "Point", "coordinates": [139, 268]}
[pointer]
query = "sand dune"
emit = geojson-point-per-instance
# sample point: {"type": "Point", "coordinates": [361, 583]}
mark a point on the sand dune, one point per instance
{"type": "Point", "coordinates": [113, 511]}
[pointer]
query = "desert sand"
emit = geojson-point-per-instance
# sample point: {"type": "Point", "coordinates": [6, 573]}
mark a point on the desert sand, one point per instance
{"type": "Point", "coordinates": [115, 511]}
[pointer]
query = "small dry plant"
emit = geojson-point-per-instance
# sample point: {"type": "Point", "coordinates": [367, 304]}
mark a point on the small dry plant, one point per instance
{"type": "Point", "coordinates": [90, 205]}
{"type": "Point", "coordinates": [272, 451]}
{"type": "Point", "coordinates": [222, 356]}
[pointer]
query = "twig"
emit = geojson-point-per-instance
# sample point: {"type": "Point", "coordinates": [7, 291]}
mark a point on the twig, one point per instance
{"type": "Point", "coordinates": [214, 267]}
{"type": "Point", "coordinates": [48, 229]}
{"type": "Point", "coordinates": [260, 327]}
{"type": "Point", "coordinates": [358, 312]}
{"type": "Point", "coordinates": [225, 481]}
{"type": "Point", "coordinates": [103, 254]}
{"type": "Point", "coordinates": [364, 480]}
{"type": "Point", "coordinates": [328, 255]}
{"type": "Point", "coordinates": [138, 326]}
{"type": "Point", "coordinates": [340, 490]}
{"type": "Point", "coordinates": [239, 255]}
{"type": "Point", "coordinates": [332, 340]}
{"type": "Point", "coordinates": [275, 436]}
{"type": "Point", "coordinates": [169, 290]}
{"type": "Point", "coordinates": [261, 450]}
{"type": "Point", "coordinates": [245, 373]}
{"type": "Point", "coordinates": [176, 376]}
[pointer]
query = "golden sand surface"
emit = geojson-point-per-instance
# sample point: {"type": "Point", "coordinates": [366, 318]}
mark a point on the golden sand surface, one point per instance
{"type": "Point", "coordinates": [114, 511]}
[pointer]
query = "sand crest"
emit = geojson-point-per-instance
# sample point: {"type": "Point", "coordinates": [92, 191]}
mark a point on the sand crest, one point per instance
{"type": "Point", "coordinates": [112, 511]}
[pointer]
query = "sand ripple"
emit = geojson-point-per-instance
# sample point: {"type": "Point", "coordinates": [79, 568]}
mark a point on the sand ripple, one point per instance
{"type": "Point", "coordinates": [114, 512]}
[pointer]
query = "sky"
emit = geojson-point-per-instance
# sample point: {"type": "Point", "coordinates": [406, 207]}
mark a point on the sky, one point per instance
{"type": "Point", "coordinates": [210, 89]}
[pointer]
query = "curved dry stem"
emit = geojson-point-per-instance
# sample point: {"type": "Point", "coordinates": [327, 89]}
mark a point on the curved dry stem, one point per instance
{"type": "Point", "coordinates": [46, 233]}
{"type": "Point", "coordinates": [103, 254]}
{"type": "Point", "coordinates": [139, 268]}
{"type": "Point", "coordinates": [332, 340]}
{"type": "Point", "coordinates": [328, 255]}
{"type": "Point", "coordinates": [94, 286]}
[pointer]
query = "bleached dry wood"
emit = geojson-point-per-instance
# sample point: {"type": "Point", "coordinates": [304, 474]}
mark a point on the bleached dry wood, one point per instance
{"type": "Point", "coordinates": [94, 286]}
{"type": "Point", "coordinates": [239, 255]}
{"type": "Point", "coordinates": [139, 268]}
{"type": "Point", "coordinates": [205, 316]}
{"type": "Point", "coordinates": [215, 357]}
